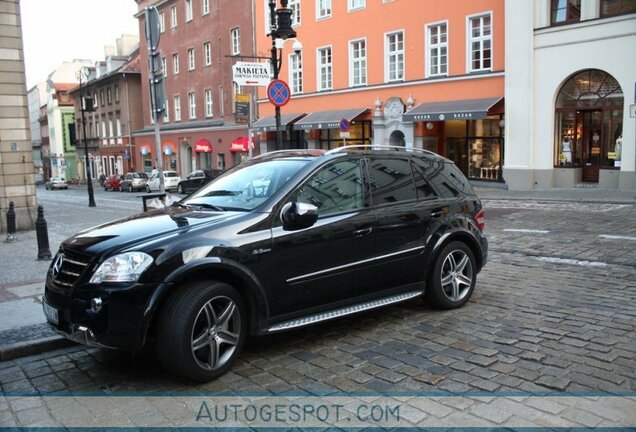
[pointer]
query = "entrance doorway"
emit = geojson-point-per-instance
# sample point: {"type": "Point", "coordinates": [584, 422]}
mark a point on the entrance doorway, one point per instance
{"type": "Point", "coordinates": [591, 133]}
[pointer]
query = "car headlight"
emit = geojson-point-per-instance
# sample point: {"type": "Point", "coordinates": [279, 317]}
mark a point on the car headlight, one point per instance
{"type": "Point", "coordinates": [126, 267]}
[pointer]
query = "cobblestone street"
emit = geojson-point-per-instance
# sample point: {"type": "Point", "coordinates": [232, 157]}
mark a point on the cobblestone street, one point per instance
{"type": "Point", "coordinates": [553, 314]}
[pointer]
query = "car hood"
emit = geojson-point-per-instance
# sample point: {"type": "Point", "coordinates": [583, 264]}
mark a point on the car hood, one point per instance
{"type": "Point", "coordinates": [142, 227]}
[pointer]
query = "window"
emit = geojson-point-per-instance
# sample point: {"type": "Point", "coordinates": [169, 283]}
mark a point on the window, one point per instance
{"type": "Point", "coordinates": [104, 135]}
{"type": "Point", "coordinates": [207, 54]}
{"type": "Point", "coordinates": [294, 5]}
{"type": "Point", "coordinates": [325, 69]}
{"type": "Point", "coordinates": [437, 54]}
{"type": "Point", "coordinates": [617, 7]}
{"type": "Point", "coordinates": [173, 16]}
{"type": "Point", "coordinates": [101, 97]}
{"type": "Point", "coordinates": [192, 106]}
{"type": "Point", "coordinates": [336, 188]}
{"type": "Point", "coordinates": [162, 22]}
{"type": "Point", "coordinates": [109, 96]}
{"type": "Point", "coordinates": [116, 94]}
{"type": "Point", "coordinates": [188, 10]}
{"type": "Point", "coordinates": [296, 73]}
{"type": "Point", "coordinates": [166, 113]}
{"type": "Point", "coordinates": [395, 56]}
{"type": "Point", "coordinates": [391, 181]}
{"type": "Point", "coordinates": [191, 59]}
{"type": "Point", "coordinates": [177, 108]}
{"type": "Point", "coordinates": [205, 7]}
{"type": "Point", "coordinates": [220, 161]}
{"type": "Point", "coordinates": [565, 11]}
{"type": "Point", "coordinates": [235, 37]}
{"type": "Point", "coordinates": [236, 90]}
{"type": "Point", "coordinates": [323, 9]}
{"type": "Point", "coordinates": [111, 130]}
{"type": "Point", "coordinates": [164, 66]}
{"type": "Point", "coordinates": [208, 103]}
{"type": "Point", "coordinates": [356, 4]}
{"type": "Point", "coordinates": [175, 64]}
{"type": "Point", "coordinates": [358, 63]}
{"type": "Point", "coordinates": [118, 126]}
{"type": "Point", "coordinates": [480, 42]}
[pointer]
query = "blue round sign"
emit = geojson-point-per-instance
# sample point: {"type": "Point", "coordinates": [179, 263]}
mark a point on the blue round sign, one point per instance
{"type": "Point", "coordinates": [344, 125]}
{"type": "Point", "coordinates": [278, 92]}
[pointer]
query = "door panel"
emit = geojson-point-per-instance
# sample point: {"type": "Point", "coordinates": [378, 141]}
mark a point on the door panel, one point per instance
{"type": "Point", "coordinates": [591, 122]}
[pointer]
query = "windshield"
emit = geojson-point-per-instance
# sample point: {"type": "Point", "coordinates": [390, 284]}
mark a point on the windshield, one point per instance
{"type": "Point", "coordinates": [247, 187]}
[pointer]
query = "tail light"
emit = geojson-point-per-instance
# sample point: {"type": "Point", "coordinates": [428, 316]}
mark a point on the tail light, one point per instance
{"type": "Point", "coordinates": [480, 218]}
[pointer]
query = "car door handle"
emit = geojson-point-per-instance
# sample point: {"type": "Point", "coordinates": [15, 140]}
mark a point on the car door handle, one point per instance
{"type": "Point", "coordinates": [362, 232]}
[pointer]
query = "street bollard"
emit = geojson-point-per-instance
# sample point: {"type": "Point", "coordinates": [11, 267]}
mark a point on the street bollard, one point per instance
{"type": "Point", "coordinates": [11, 223]}
{"type": "Point", "coordinates": [44, 253]}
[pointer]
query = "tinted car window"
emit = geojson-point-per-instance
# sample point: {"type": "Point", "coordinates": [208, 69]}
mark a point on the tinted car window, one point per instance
{"type": "Point", "coordinates": [422, 186]}
{"type": "Point", "coordinates": [391, 181]}
{"type": "Point", "coordinates": [335, 188]}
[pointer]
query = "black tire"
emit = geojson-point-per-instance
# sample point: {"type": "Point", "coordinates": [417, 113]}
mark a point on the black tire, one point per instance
{"type": "Point", "coordinates": [186, 314]}
{"type": "Point", "coordinates": [105, 189]}
{"type": "Point", "coordinates": [180, 189]}
{"type": "Point", "coordinates": [130, 188]}
{"type": "Point", "coordinates": [121, 189]}
{"type": "Point", "coordinates": [454, 276]}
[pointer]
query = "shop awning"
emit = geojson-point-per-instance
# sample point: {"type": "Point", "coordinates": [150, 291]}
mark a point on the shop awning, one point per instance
{"type": "Point", "coordinates": [203, 146]}
{"type": "Point", "coordinates": [328, 119]}
{"type": "Point", "coordinates": [268, 124]}
{"type": "Point", "coordinates": [169, 148]}
{"type": "Point", "coordinates": [468, 109]}
{"type": "Point", "coordinates": [145, 149]}
{"type": "Point", "coordinates": [240, 144]}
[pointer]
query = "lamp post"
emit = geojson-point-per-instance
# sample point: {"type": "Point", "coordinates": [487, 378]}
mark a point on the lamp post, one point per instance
{"type": "Point", "coordinates": [86, 104]}
{"type": "Point", "coordinates": [281, 30]}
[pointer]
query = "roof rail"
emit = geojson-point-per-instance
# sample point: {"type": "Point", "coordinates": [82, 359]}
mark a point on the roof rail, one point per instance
{"type": "Point", "coordinates": [379, 147]}
{"type": "Point", "coordinates": [310, 152]}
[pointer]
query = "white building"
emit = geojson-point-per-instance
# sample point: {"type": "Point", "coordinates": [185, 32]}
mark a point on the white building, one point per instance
{"type": "Point", "coordinates": [570, 81]}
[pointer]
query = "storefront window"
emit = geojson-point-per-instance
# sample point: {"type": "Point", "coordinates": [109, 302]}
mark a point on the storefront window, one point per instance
{"type": "Point", "coordinates": [617, 7]}
{"type": "Point", "coordinates": [588, 126]}
{"type": "Point", "coordinates": [359, 133]}
{"type": "Point", "coordinates": [476, 147]}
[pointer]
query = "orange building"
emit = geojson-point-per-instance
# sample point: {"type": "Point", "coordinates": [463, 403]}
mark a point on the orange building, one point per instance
{"type": "Point", "coordinates": [425, 74]}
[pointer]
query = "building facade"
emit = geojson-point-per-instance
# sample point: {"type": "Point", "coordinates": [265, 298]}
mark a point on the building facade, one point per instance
{"type": "Point", "coordinates": [199, 42]}
{"type": "Point", "coordinates": [16, 157]}
{"type": "Point", "coordinates": [570, 81]}
{"type": "Point", "coordinates": [400, 73]}
{"type": "Point", "coordinates": [36, 97]}
{"type": "Point", "coordinates": [114, 86]}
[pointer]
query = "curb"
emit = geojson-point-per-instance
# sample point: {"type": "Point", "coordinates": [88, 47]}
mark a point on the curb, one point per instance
{"type": "Point", "coordinates": [36, 346]}
{"type": "Point", "coordinates": [551, 200]}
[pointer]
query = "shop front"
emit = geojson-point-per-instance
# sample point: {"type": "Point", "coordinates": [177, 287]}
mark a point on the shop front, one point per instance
{"type": "Point", "coordinates": [291, 138]}
{"type": "Point", "coordinates": [323, 129]}
{"type": "Point", "coordinates": [146, 158]}
{"type": "Point", "coordinates": [239, 148]}
{"type": "Point", "coordinates": [202, 154]}
{"type": "Point", "coordinates": [469, 132]}
{"type": "Point", "coordinates": [169, 152]}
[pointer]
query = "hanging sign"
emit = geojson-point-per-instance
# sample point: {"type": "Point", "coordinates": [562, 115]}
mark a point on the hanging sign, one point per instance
{"type": "Point", "coordinates": [254, 74]}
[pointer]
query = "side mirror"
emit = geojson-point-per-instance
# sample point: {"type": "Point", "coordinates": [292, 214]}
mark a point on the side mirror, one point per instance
{"type": "Point", "coordinates": [298, 215]}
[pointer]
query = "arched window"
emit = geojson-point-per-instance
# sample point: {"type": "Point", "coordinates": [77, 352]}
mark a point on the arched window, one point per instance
{"type": "Point", "coordinates": [589, 112]}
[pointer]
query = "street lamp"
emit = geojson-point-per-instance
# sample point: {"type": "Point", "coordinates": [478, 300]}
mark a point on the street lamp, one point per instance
{"type": "Point", "coordinates": [281, 30]}
{"type": "Point", "coordinates": [86, 104]}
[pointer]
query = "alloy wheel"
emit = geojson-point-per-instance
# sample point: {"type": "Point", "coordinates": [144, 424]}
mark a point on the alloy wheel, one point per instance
{"type": "Point", "coordinates": [456, 275]}
{"type": "Point", "coordinates": [215, 333]}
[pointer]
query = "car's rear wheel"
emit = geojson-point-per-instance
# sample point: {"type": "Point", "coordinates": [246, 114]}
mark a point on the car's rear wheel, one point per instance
{"type": "Point", "coordinates": [201, 330]}
{"type": "Point", "coordinates": [130, 188]}
{"type": "Point", "coordinates": [454, 276]}
{"type": "Point", "coordinates": [180, 189]}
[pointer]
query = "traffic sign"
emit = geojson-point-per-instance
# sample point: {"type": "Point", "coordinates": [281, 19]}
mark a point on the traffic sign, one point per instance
{"type": "Point", "coordinates": [278, 92]}
{"type": "Point", "coordinates": [344, 125]}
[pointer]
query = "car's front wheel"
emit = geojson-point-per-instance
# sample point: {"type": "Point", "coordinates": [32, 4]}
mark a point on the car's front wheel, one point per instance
{"type": "Point", "coordinates": [130, 188]}
{"type": "Point", "coordinates": [454, 277]}
{"type": "Point", "coordinates": [201, 331]}
{"type": "Point", "coordinates": [180, 189]}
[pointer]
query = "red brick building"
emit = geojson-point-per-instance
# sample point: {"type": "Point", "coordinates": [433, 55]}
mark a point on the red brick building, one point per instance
{"type": "Point", "coordinates": [198, 38]}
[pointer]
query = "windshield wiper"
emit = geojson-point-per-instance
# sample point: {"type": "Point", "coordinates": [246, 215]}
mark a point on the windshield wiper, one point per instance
{"type": "Point", "coordinates": [207, 206]}
{"type": "Point", "coordinates": [179, 204]}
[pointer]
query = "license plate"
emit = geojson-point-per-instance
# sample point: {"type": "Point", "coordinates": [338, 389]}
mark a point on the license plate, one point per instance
{"type": "Point", "coordinates": [50, 312]}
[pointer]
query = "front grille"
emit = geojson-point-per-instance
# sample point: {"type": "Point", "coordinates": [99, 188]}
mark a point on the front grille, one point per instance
{"type": "Point", "coordinates": [67, 269]}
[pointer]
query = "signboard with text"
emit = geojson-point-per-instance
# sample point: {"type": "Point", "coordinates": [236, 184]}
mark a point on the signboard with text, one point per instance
{"type": "Point", "coordinates": [254, 74]}
{"type": "Point", "coordinates": [242, 108]}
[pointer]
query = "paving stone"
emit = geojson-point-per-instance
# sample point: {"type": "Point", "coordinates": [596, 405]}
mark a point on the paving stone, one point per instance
{"type": "Point", "coordinates": [530, 355]}
{"type": "Point", "coordinates": [429, 378]}
{"type": "Point", "coordinates": [556, 383]}
{"type": "Point", "coordinates": [481, 360]}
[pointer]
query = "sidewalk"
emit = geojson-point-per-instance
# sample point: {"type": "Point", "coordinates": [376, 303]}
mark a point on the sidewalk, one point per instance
{"type": "Point", "coordinates": [23, 330]}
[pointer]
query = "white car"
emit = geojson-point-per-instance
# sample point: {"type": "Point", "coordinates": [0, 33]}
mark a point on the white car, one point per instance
{"type": "Point", "coordinates": [170, 181]}
{"type": "Point", "coordinates": [56, 183]}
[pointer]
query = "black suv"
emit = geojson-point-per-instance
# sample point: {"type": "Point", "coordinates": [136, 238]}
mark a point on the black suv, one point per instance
{"type": "Point", "coordinates": [284, 240]}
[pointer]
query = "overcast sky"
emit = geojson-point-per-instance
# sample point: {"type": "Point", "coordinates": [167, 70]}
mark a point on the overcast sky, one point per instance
{"type": "Point", "coordinates": [55, 31]}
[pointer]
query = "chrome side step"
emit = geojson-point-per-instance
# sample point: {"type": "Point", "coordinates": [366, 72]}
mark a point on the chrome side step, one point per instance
{"type": "Point", "coordinates": [336, 313]}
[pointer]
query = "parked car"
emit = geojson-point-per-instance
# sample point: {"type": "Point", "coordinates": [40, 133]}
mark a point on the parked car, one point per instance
{"type": "Point", "coordinates": [113, 182]}
{"type": "Point", "coordinates": [56, 182]}
{"type": "Point", "coordinates": [134, 181]}
{"type": "Point", "coordinates": [196, 179]}
{"type": "Point", "coordinates": [279, 242]}
{"type": "Point", "coordinates": [171, 181]}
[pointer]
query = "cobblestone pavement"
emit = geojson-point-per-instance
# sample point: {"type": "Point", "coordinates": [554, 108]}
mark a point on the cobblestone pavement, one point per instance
{"type": "Point", "coordinates": [553, 314]}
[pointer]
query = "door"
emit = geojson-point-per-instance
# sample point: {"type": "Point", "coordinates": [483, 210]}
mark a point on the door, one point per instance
{"type": "Point", "coordinates": [330, 262]}
{"type": "Point", "coordinates": [591, 129]}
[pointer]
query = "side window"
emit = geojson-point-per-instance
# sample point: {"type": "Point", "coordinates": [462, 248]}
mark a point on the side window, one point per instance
{"type": "Point", "coordinates": [422, 186]}
{"type": "Point", "coordinates": [335, 188]}
{"type": "Point", "coordinates": [391, 181]}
